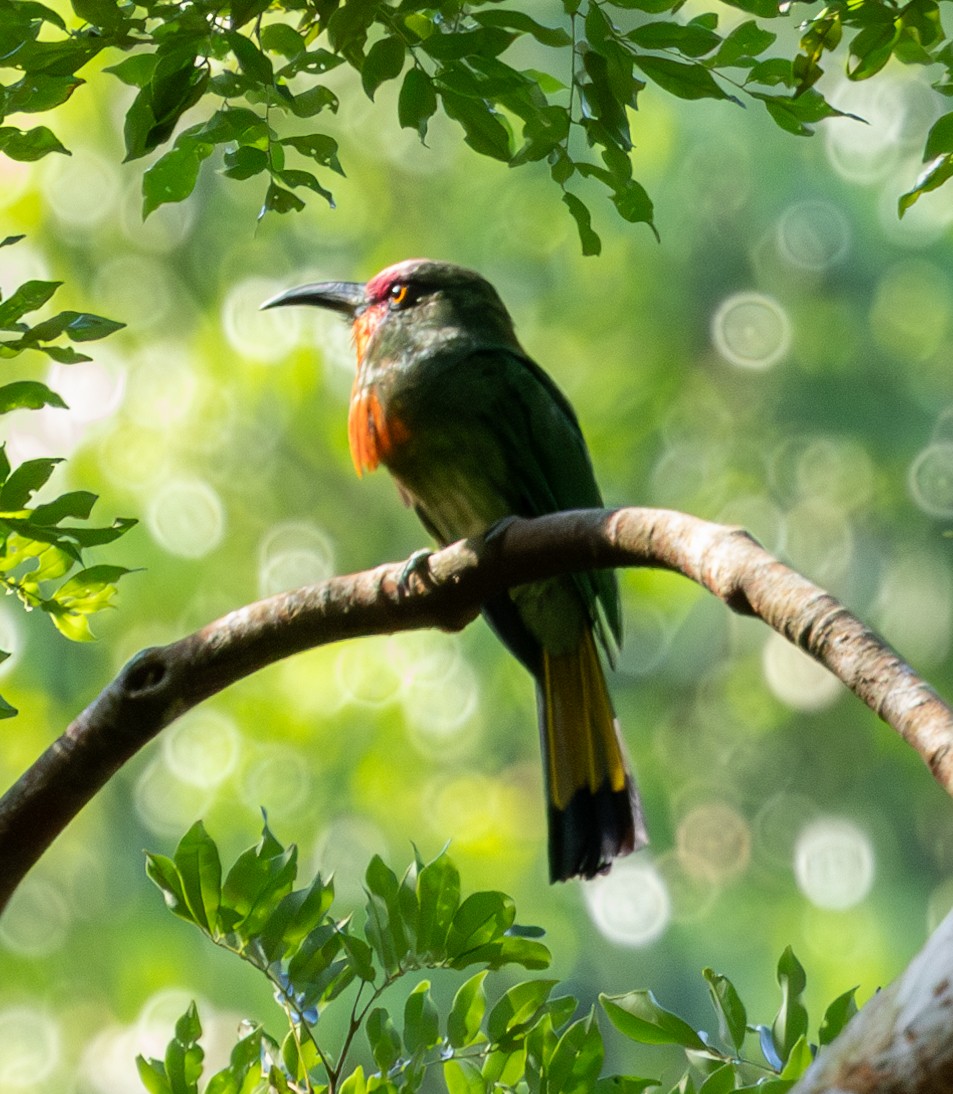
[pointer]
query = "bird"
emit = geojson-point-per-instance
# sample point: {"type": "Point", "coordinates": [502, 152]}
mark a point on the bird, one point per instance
{"type": "Point", "coordinates": [475, 432]}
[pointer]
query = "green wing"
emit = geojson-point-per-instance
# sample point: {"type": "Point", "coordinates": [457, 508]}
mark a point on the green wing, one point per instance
{"type": "Point", "coordinates": [548, 463]}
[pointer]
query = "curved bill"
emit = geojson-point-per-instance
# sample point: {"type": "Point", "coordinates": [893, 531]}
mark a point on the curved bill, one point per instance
{"type": "Point", "coordinates": [346, 297]}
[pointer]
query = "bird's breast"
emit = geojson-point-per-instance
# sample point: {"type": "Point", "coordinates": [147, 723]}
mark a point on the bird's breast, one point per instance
{"type": "Point", "coordinates": [375, 432]}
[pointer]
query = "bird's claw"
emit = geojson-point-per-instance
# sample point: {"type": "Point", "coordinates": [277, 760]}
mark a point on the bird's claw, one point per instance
{"type": "Point", "coordinates": [418, 565]}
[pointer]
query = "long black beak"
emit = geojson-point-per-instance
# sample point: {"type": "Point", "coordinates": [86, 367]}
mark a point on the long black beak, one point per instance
{"type": "Point", "coordinates": [346, 297]}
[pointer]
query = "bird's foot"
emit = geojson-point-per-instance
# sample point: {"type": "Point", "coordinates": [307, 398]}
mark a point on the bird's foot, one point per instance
{"type": "Point", "coordinates": [417, 566]}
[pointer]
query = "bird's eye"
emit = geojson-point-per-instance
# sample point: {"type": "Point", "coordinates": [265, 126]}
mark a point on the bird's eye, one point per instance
{"type": "Point", "coordinates": [399, 295]}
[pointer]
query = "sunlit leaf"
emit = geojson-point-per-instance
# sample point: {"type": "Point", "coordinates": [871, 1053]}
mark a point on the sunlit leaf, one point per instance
{"type": "Point", "coordinates": [790, 1023]}
{"type": "Point", "coordinates": [837, 1015]}
{"type": "Point", "coordinates": [421, 1023]}
{"type": "Point", "coordinates": [27, 395]}
{"type": "Point", "coordinates": [640, 1016]}
{"type": "Point", "coordinates": [383, 1038]}
{"type": "Point", "coordinates": [517, 1007]}
{"type": "Point", "coordinates": [732, 1016]}
{"type": "Point", "coordinates": [467, 1011]}
{"type": "Point", "coordinates": [30, 144]}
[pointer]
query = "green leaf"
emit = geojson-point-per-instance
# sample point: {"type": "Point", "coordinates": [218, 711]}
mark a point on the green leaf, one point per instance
{"type": "Point", "coordinates": [251, 60]}
{"type": "Point", "coordinates": [279, 200]}
{"type": "Point", "coordinates": [790, 1023]}
{"type": "Point", "coordinates": [316, 146]}
{"type": "Point", "coordinates": [173, 176]}
{"type": "Point", "coordinates": [9, 240]}
{"type": "Point", "coordinates": [152, 1075]}
{"type": "Point", "coordinates": [24, 482]}
{"type": "Point", "coordinates": [197, 861]}
{"type": "Point", "coordinates": [362, 957]}
{"type": "Point", "coordinates": [799, 1060]}
{"type": "Point", "coordinates": [417, 102]}
{"type": "Point", "coordinates": [591, 244]}
{"type": "Point", "coordinates": [577, 1058]}
{"type": "Point", "coordinates": [438, 895]}
{"type": "Point", "coordinates": [871, 49]}
{"type": "Point", "coordinates": [256, 884]}
{"type": "Point", "coordinates": [421, 1023]}
{"type": "Point", "coordinates": [384, 927]}
{"type": "Point", "coordinates": [383, 1038]}
{"type": "Point", "coordinates": [484, 130]}
{"type": "Point", "coordinates": [384, 61]}
{"type": "Point", "coordinates": [136, 71]}
{"type": "Point", "coordinates": [27, 395]}
{"type": "Point", "coordinates": [837, 1015]}
{"type": "Point", "coordinates": [719, 1081]}
{"type": "Point", "coordinates": [525, 24]}
{"type": "Point", "coordinates": [732, 1017]}
{"type": "Point", "coordinates": [517, 1008]}
{"type": "Point", "coordinates": [161, 870]}
{"type": "Point", "coordinates": [744, 42]}
{"type": "Point", "coordinates": [90, 589]}
{"type": "Point", "coordinates": [467, 1011]}
{"type": "Point", "coordinates": [38, 91]}
{"type": "Point", "coordinates": [932, 177]}
{"type": "Point", "coordinates": [313, 101]}
{"type": "Point", "coordinates": [686, 81]}
{"type": "Point", "coordinates": [506, 951]}
{"type": "Point", "coordinates": [77, 504]}
{"type": "Point", "coordinates": [940, 137]}
{"type": "Point", "coordinates": [85, 327]}
{"type": "Point", "coordinates": [640, 1016]}
{"type": "Point", "coordinates": [348, 25]}
{"type": "Point", "coordinates": [481, 918]}
{"type": "Point", "coordinates": [296, 916]}
{"type": "Point", "coordinates": [28, 297]}
{"type": "Point", "coordinates": [30, 144]}
{"type": "Point", "coordinates": [282, 38]}
{"type": "Point", "coordinates": [624, 1084]}
{"type": "Point", "coordinates": [463, 1077]}
{"type": "Point", "coordinates": [635, 205]}
{"type": "Point", "coordinates": [244, 162]}
{"type": "Point", "coordinates": [690, 39]}
{"type": "Point", "coordinates": [6, 710]}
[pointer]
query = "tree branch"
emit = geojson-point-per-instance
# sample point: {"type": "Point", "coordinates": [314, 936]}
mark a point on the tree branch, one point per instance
{"type": "Point", "coordinates": [158, 685]}
{"type": "Point", "coordinates": [900, 1042]}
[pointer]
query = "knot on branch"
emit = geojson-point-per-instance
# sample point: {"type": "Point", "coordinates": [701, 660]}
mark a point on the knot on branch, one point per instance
{"type": "Point", "coordinates": [145, 673]}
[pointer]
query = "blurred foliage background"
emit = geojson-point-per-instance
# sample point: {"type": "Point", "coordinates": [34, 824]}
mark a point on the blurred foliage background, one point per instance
{"type": "Point", "coordinates": [779, 360]}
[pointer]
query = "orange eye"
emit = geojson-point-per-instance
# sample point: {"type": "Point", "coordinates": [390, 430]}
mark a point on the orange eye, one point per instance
{"type": "Point", "coordinates": [398, 294]}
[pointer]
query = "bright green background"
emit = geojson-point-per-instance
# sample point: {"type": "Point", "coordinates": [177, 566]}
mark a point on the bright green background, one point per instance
{"type": "Point", "coordinates": [229, 427]}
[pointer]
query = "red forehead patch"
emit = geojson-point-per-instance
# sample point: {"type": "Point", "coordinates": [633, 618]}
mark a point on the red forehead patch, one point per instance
{"type": "Point", "coordinates": [380, 285]}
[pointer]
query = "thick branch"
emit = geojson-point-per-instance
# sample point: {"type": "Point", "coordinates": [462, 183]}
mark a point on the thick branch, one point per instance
{"type": "Point", "coordinates": [158, 685]}
{"type": "Point", "coordinates": [900, 1042]}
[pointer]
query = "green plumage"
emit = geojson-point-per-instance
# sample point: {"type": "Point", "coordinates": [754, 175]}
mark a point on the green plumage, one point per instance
{"type": "Point", "coordinates": [474, 431]}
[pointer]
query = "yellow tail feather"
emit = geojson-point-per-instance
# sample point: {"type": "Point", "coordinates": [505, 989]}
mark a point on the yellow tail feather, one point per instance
{"type": "Point", "coordinates": [595, 813]}
{"type": "Point", "coordinates": [583, 750]}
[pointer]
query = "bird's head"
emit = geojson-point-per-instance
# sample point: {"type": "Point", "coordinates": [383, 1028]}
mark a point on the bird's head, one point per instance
{"type": "Point", "coordinates": [418, 304]}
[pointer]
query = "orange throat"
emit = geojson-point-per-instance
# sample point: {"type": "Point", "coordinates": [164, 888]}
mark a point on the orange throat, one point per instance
{"type": "Point", "coordinates": [373, 434]}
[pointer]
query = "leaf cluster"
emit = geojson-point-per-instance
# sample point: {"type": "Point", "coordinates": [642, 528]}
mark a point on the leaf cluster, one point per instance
{"type": "Point", "coordinates": [525, 1038]}
{"type": "Point", "coordinates": [41, 551]}
{"type": "Point", "coordinates": [258, 68]}
{"type": "Point", "coordinates": [718, 1064]}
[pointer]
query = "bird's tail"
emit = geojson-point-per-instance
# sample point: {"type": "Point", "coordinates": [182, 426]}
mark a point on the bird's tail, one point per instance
{"type": "Point", "coordinates": [595, 812]}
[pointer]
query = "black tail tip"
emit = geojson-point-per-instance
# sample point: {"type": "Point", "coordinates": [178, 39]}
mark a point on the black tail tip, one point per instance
{"type": "Point", "coordinates": [594, 829]}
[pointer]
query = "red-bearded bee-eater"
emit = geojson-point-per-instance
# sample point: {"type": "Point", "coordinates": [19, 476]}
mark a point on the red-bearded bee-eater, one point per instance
{"type": "Point", "coordinates": [474, 431]}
